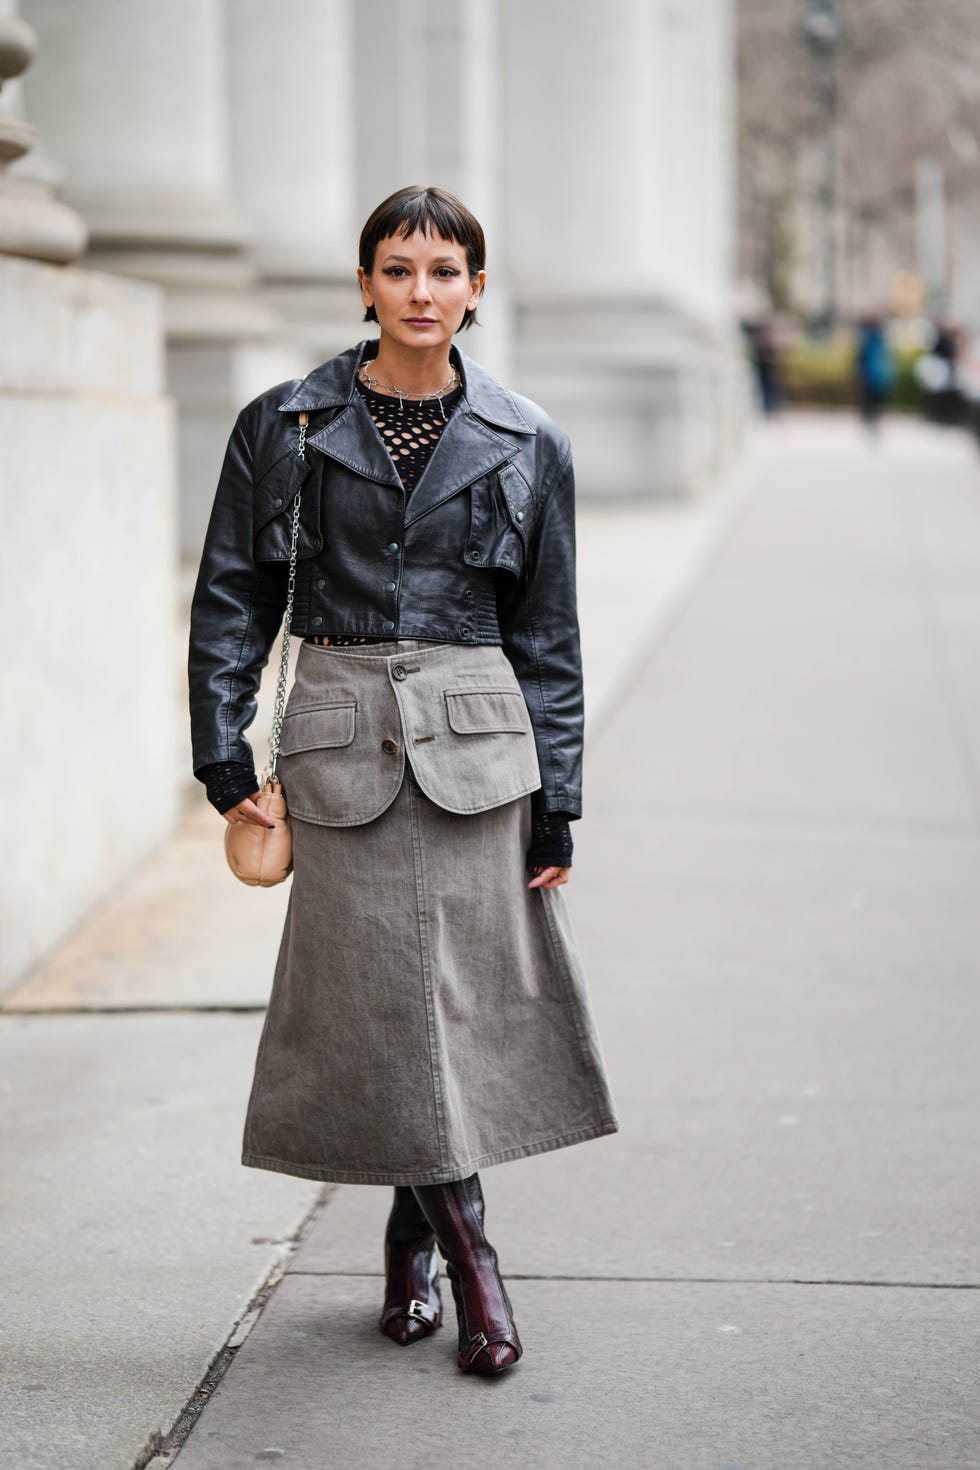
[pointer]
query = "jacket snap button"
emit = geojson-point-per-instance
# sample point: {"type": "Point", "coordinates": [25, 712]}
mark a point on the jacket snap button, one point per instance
{"type": "Point", "coordinates": [321, 582]}
{"type": "Point", "coordinates": [278, 500]}
{"type": "Point", "coordinates": [473, 554]}
{"type": "Point", "coordinates": [469, 592]}
{"type": "Point", "coordinates": [389, 747]}
{"type": "Point", "coordinates": [387, 625]}
{"type": "Point", "coordinates": [398, 672]}
{"type": "Point", "coordinates": [392, 545]}
{"type": "Point", "coordinates": [466, 632]}
{"type": "Point", "coordinates": [317, 622]}
{"type": "Point", "coordinates": [520, 515]}
{"type": "Point", "coordinates": [390, 586]}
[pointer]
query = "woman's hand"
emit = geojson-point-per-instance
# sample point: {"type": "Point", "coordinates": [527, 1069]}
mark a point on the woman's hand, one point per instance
{"type": "Point", "coordinates": [549, 877]}
{"type": "Point", "coordinates": [247, 811]}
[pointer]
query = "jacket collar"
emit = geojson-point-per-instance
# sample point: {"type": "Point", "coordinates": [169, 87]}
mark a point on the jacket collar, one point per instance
{"type": "Point", "coordinates": [470, 445]}
{"type": "Point", "coordinates": [331, 385]}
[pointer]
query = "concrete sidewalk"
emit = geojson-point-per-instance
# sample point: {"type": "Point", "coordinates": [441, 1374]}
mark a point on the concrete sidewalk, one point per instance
{"type": "Point", "coordinates": [775, 1265]}
{"type": "Point", "coordinates": [133, 1241]}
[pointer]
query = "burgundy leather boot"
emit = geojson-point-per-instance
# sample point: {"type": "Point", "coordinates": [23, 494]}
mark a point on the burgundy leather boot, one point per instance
{"type": "Point", "coordinates": [413, 1306]}
{"type": "Point", "coordinates": [488, 1340]}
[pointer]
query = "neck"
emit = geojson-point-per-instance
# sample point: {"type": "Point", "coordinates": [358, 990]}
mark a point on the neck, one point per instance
{"type": "Point", "coordinates": [416, 370]}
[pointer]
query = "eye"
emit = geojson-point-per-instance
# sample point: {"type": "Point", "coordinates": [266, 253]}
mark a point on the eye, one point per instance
{"type": "Point", "coordinates": [395, 270]}
{"type": "Point", "coordinates": [447, 272]}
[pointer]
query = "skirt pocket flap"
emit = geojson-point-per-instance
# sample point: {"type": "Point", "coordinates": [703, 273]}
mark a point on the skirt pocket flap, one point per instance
{"type": "Point", "coordinates": [318, 726]}
{"type": "Point", "coordinates": [486, 711]}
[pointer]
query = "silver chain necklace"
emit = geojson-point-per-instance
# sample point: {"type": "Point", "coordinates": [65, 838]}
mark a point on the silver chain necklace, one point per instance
{"type": "Point", "coordinates": [401, 393]}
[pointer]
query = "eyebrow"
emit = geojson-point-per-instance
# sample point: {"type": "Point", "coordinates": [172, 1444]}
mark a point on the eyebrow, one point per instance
{"type": "Point", "coordinates": [452, 259]}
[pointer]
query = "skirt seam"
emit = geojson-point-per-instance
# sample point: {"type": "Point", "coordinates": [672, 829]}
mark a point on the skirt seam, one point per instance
{"type": "Point", "coordinates": [435, 1071]}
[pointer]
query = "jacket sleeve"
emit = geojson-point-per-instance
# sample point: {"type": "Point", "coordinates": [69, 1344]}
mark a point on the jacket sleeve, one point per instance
{"type": "Point", "coordinates": [538, 619]}
{"type": "Point", "coordinates": [236, 612]}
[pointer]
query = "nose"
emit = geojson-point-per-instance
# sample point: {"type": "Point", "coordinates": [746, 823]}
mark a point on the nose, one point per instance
{"type": "Point", "coordinates": [421, 291]}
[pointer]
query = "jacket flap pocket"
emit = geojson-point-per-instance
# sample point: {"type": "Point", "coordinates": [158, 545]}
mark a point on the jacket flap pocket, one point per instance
{"type": "Point", "coordinates": [318, 726]}
{"type": "Point", "coordinates": [276, 492]}
{"type": "Point", "coordinates": [520, 500]}
{"type": "Point", "coordinates": [484, 711]}
{"type": "Point", "coordinates": [501, 510]}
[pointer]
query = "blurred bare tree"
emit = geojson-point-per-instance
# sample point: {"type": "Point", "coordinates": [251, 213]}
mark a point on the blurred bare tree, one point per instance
{"type": "Point", "coordinates": [907, 90]}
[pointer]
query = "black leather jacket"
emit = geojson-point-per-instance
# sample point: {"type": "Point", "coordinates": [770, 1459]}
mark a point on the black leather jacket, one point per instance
{"type": "Point", "coordinates": [483, 551]}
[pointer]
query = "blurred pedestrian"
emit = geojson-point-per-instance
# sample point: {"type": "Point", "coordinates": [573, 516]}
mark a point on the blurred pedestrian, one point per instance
{"type": "Point", "coordinates": [938, 374]}
{"type": "Point", "coordinates": [874, 370]}
{"type": "Point", "coordinates": [429, 1013]}
{"type": "Point", "coordinates": [764, 354]}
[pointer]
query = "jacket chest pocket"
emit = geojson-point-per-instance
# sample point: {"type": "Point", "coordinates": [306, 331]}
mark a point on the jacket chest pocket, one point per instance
{"type": "Point", "coordinates": [272, 511]}
{"type": "Point", "coordinates": [501, 518]}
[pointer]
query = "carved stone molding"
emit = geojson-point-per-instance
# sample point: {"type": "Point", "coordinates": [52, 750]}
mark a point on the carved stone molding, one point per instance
{"type": "Point", "coordinates": [17, 46]}
{"type": "Point", "coordinates": [32, 221]}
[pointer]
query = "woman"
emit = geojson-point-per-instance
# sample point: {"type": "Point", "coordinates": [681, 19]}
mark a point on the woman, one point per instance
{"type": "Point", "coordinates": [428, 1014]}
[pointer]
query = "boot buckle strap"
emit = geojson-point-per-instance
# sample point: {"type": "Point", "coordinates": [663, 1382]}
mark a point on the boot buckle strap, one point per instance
{"type": "Point", "coordinates": [421, 1310]}
{"type": "Point", "coordinates": [475, 1345]}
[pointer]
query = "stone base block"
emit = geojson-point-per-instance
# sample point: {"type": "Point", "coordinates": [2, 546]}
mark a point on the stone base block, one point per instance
{"type": "Point", "coordinates": [87, 595]}
{"type": "Point", "coordinates": [653, 401]}
{"type": "Point", "coordinates": [212, 382]}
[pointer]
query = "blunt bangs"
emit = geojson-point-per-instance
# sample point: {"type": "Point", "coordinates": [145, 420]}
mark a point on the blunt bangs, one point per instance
{"type": "Point", "coordinates": [424, 211]}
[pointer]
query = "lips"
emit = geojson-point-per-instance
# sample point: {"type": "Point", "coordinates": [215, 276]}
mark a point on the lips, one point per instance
{"type": "Point", "coordinates": [421, 321]}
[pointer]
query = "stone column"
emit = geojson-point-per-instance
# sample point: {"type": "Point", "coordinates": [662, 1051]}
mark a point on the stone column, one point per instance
{"type": "Point", "coordinates": [428, 106]}
{"type": "Point", "coordinates": [32, 222]}
{"type": "Point", "coordinates": [292, 135]}
{"type": "Point", "coordinates": [697, 153]}
{"type": "Point", "coordinates": [87, 560]}
{"type": "Point", "coordinates": [617, 204]}
{"type": "Point", "coordinates": [134, 98]}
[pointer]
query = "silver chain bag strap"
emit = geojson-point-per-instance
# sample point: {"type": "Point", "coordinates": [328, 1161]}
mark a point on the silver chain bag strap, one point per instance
{"type": "Point", "coordinates": [257, 855]}
{"type": "Point", "coordinates": [271, 772]}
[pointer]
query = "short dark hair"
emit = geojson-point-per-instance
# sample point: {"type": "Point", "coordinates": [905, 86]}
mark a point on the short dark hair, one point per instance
{"type": "Point", "coordinates": [424, 210]}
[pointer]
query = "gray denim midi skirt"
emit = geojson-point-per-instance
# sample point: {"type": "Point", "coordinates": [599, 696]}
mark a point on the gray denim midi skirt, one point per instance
{"type": "Point", "coordinates": [429, 1013]}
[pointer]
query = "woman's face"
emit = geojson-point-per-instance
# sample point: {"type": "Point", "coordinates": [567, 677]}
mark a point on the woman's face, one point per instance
{"type": "Point", "coordinates": [420, 289]}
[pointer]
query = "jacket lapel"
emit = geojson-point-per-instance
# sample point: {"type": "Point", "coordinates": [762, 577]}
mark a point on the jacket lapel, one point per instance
{"type": "Point", "coordinates": [353, 440]}
{"type": "Point", "coordinates": [467, 449]}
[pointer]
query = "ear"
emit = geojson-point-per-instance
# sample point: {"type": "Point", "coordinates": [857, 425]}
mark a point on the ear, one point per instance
{"type": "Point", "coordinates": [367, 295]}
{"type": "Point", "coordinates": [477, 283]}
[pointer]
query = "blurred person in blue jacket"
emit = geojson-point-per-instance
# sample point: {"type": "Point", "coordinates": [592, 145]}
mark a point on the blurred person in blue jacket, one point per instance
{"type": "Point", "coordinates": [875, 371]}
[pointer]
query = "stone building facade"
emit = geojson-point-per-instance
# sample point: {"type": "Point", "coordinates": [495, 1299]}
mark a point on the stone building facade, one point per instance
{"type": "Point", "coordinates": [222, 155]}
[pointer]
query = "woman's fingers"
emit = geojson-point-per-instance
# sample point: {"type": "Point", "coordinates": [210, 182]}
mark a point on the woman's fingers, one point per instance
{"type": "Point", "coordinates": [549, 877]}
{"type": "Point", "coordinates": [247, 811]}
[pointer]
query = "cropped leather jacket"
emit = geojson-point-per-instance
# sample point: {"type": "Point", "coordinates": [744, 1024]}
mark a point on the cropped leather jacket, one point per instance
{"type": "Point", "coordinates": [482, 551]}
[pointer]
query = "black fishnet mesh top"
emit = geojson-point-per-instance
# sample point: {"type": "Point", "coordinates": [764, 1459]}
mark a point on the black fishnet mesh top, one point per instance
{"type": "Point", "coordinates": [410, 430]}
